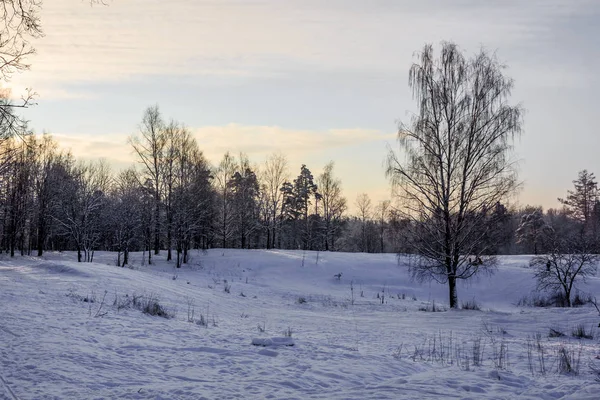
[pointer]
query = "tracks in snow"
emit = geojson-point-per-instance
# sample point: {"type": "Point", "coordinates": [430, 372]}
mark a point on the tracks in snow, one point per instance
{"type": "Point", "coordinates": [12, 394]}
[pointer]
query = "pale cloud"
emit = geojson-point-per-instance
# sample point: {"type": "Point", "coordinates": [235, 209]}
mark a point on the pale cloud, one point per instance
{"type": "Point", "coordinates": [232, 40]}
{"type": "Point", "coordinates": [214, 141]}
{"type": "Point", "coordinates": [263, 140]}
{"type": "Point", "coordinates": [111, 147]}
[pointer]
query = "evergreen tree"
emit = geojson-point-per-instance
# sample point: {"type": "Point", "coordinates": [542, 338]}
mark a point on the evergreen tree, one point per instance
{"type": "Point", "coordinates": [297, 202]}
{"type": "Point", "coordinates": [245, 195]}
{"type": "Point", "coordinates": [581, 201]}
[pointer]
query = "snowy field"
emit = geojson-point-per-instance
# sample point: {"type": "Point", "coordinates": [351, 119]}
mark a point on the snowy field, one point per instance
{"type": "Point", "coordinates": [60, 340]}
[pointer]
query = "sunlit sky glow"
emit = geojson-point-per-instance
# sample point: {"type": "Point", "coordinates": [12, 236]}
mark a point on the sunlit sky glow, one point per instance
{"type": "Point", "coordinates": [318, 80]}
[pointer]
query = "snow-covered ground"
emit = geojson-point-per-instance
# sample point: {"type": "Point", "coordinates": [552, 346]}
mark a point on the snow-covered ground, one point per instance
{"type": "Point", "coordinates": [55, 344]}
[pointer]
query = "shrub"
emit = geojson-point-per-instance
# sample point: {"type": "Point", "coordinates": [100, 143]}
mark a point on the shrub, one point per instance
{"type": "Point", "coordinates": [581, 333]}
{"type": "Point", "coordinates": [556, 299]}
{"type": "Point", "coordinates": [202, 321]}
{"type": "Point", "coordinates": [431, 307]}
{"type": "Point", "coordinates": [555, 333]}
{"type": "Point", "coordinates": [568, 360]}
{"type": "Point", "coordinates": [150, 305]}
{"type": "Point", "coordinates": [581, 300]}
{"type": "Point", "coordinates": [471, 305]}
{"type": "Point", "coordinates": [301, 300]}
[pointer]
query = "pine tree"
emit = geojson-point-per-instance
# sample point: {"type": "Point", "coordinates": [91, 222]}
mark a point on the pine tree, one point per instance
{"type": "Point", "coordinates": [245, 194]}
{"type": "Point", "coordinates": [581, 201]}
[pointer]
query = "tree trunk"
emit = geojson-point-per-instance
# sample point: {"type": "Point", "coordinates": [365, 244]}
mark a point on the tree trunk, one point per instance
{"type": "Point", "coordinates": [125, 258]}
{"type": "Point", "coordinates": [78, 254]}
{"type": "Point", "coordinates": [169, 235]}
{"type": "Point", "coordinates": [157, 228]}
{"type": "Point", "coordinates": [452, 291]}
{"type": "Point", "coordinates": [568, 288]}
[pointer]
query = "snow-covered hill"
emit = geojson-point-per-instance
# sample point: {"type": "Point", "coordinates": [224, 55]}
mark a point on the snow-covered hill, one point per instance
{"type": "Point", "coordinates": [70, 331]}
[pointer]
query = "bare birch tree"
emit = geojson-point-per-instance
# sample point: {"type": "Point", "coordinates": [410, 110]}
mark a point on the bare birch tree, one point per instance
{"type": "Point", "coordinates": [457, 164]}
{"type": "Point", "coordinates": [363, 205]}
{"type": "Point", "coordinates": [149, 146]}
{"type": "Point", "coordinates": [275, 173]}
{"type": "Point", "coordinates": [382, 211]}
{"type": "Point", "coordinates": [333, 204]}
{"type": "Point", "coordinates": [223, 173]}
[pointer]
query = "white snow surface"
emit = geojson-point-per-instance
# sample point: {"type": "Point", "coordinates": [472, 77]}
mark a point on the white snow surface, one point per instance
{"type": "Point", "coordinates": [55, 345]}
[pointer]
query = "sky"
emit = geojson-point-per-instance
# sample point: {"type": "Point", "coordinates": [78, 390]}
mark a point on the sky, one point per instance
{"type": "Point", "coordinates": [317, 80]}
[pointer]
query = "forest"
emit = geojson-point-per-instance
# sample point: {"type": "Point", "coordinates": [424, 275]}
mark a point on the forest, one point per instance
{"type": "Point", "coordinates": [172, 199]}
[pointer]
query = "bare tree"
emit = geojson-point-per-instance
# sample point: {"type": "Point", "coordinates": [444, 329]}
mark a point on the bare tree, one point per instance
{"type": "Point", "coordinates": [173, 137]}
{"type": "Point", "coordinates": [20, 25]}
{"type": "Point", "coordinates": [46, 157]}
{"type": "Point", "coordinates": [457, 164]}
{"type": "Point", "coordinates": [192, 197]}
{"type": "Point", "coordinates": [570, 260]}
{"type": "Point", "coordinates": [382, 210]}
{"type": "Point", "coordinates": [363, 203]}
{"type": "Point", "coordinates": [223, 174]}
{"type": "Point", "coordinates": [149, 146]}
{"type": "Point", "coordinates": [275, 173]}
{"type": "Point", "coordinates": [126, 214]}
{"type": "Point", "coordinates": [333, 204]}
{"type": "Point", "coordinates": [80, 212]}
{"type": "Point", "coordinates": [18, 194]}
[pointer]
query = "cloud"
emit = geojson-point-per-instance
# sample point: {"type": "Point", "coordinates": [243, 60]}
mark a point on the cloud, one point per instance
{"type": "Point", "coordinates": [263, 140]}
{"type": "Point", "coordinates": [214, 141]}
{"type": "Point", "coordinates": [240, 40]}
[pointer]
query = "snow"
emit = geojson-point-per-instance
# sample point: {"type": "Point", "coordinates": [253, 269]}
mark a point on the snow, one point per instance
{"type": "Point", "coordinates": [274, 341]}
{"type": "Point", "coordinates": [57, 344]}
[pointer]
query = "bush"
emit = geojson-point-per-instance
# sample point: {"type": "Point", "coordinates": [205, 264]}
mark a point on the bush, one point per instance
{"type": "Point", "coordinates": [581, 300]}
{"type": "Point", "coordinates": [301, 300]}
{"type": "Point", "coordinates": [431, 307]}
{"type": "Point", "coordinates": [471, 305]}
{"type": "Point", "coordinates": [568, 361]}
{"type": "Point", "coordinates": [580, 332]}
{"type": "Point", "coordinates": [553, 300]}
{"type": "Point", "coordinates": [150, 305]}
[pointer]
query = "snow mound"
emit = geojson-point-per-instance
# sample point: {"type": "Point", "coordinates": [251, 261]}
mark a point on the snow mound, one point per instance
{"type": "Point", "coordinates": [272, 342]}
{"type": "Point", "coordinates": [61, 268]}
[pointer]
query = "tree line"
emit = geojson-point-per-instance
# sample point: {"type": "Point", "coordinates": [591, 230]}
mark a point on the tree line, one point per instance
{"type": "Point", "coordinates": [173, 199]}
